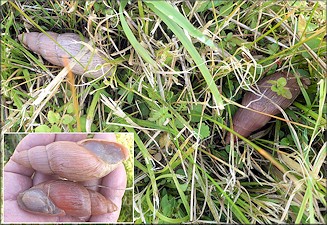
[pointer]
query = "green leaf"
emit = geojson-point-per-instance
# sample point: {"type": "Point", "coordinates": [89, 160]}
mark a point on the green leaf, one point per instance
{"type": "Point", "coordinates": [278, 86]}
{"type": "Point", "coordinates": [144, 109]}
{"type": "Point", "coordinates": [281, 82]}
{"type": "Point", "coordinates": [274, 88]}
{"type": "Point", "coordinates": [196, 113]}
{"type": "Point", "coordinates": [160, 116]}
{"type": "Point", "coordinates": [287, 93]}
{"type": "Point", "coordinates": [17, 99]}
{"type": "Point", "coordinates": [42, 128]}
{"type": "Point", "coordinates": [204, 131]}
{"type": "Point", "coordinates": [67, 119]}
{"type": "Point", "coordinates": [55, 128]}
{"type": "Point", "coordinates": [184, 186]}
{"type": "Point", "coordinates": [166, 206]}
{"type": "Point", "coordinates": [53, 117]}
{"type": "Point", "coordinates": [130, 97]}
{"type": "Point", "coordinates": [205, 5]}
{"type": "Point", "coordinates": [229, 36]}
{"type": "Point", "coordinates": [70, 108]}
{"type": "Point", "coordinates": [273, 82]}
{"type": "Point", "coordinates": [273, 48]}
{"type": "Point", "coordinates": [226, 9]}
{"type": "Point", "coordinates": [314, 44]}
{"type": "Point", "coordinates": [285, 141]}
{"type": "Point", "coordinates": [179, 124]}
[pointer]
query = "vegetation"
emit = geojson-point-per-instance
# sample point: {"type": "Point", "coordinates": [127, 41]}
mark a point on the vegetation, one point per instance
{"type": "Point", "coordinates": [181, 69]}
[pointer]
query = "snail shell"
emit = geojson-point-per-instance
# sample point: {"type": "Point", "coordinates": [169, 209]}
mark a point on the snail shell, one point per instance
{"type": "Point", "coordinates": [246, 121]}
{"type": "Point", "coordinates": [91, 63]}
{"type": "Point", "coordinates": [60, 198]}
{"type": "Point", "coordinates": [77, 161]}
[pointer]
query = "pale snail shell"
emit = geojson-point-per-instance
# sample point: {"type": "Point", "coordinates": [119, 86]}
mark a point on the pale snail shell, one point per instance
{"type": "Point", "coordinates": [92, 63]}
{"type": "Point", "coordinates": [77, 161]}
{"type": "Point", "coordinates": [60, 198]}
{"type": "Point", "coordinates": [246, 121]}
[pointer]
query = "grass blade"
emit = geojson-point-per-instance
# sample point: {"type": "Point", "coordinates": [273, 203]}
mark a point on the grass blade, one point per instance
{"type": "Point", "coordinates": [194, 53]}
{"type": "Point", "coordinates": [172, 13]}
{"type": "Point", "coordinates": [134, 42]}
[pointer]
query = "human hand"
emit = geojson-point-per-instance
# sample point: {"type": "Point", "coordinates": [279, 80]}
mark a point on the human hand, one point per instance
{"type": "Point", "coordinates": [18, 178]}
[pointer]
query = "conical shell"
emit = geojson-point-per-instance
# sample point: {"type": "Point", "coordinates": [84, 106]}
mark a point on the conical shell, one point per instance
{"type": "Point", "coordinates": [59, 198]}
{"type": "Point", "coordinates": [246, 121]}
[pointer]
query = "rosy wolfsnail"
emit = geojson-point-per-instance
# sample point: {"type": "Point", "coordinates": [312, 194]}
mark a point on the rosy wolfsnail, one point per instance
{"type": "Point", "coordinates": [76, 161]}
{"type": "Point", "coordinates": [60, 198]}
{"type": "Point", "coordinates": [246, 121]}
{"type": "Point", "coordinates": [92, 63]}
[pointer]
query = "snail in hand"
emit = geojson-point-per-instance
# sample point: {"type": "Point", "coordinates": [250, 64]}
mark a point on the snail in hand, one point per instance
{"type": "Point", "coordinates": [245, 121]}
{"type": "Point", "coordinates": [61, 197]}
{"type": "Point", "coordinates": [92, 63]}
{"type": "Point", "coordinates": [76, 161]}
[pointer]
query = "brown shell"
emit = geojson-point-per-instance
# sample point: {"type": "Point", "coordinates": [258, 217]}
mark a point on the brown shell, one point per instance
{"type": "Point", "coordinates": [91, 62]}
{"type": "Point", "coordinates": [85, 160]}
{"type": "Point", "coordinates": [246, 121]}
{"type": "Point", "coordinates": [59, 198]}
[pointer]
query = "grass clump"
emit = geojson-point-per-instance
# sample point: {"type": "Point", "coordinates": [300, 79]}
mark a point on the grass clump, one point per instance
{"type": "Point", "coordinates": [182, 69]}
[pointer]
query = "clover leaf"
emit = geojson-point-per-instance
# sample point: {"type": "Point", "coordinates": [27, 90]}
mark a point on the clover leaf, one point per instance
{"type": "Point", "coordinates": [279, 86]}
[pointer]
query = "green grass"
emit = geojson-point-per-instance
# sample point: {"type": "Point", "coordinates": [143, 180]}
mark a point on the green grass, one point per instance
{"type": "Point", "coordinates": [181, 71]}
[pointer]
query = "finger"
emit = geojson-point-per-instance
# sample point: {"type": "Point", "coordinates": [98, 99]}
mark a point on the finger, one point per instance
{"type": "Point", "coordinates": [70, 137]}
{"type": "Point", "coordinates": [68, 218]}
{"type": "Point", "coordinates": [12, 213]}
{"type": "Point", "coordinates": [29, 141]}
{"type": "Point", "coordinates": [105, 136]}
{"type": "Point", "coordinates": [32, 140]}
{"type": "Point", "coordinates": [19, 175]}
{"type": "Point", "coordinates": [21, 183]}
{"type": "Point", "coordinates": [115, 184]}
{"type": "Point", "coordinates": [92, 184]}
{"type": "Point", "coordinates": [41, 177]}
{"type": "Point", "coordinates": [17, 179]}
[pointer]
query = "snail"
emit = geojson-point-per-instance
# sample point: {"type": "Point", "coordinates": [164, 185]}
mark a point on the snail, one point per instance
{"type": "Point", "coordinates": [245, 121]}
{"type": "Point", "coordinates": [77, 161]}
{"type": "Point", "coordinates": [91, 64]}
{"type": "Point", "coordinates": [60, 198]}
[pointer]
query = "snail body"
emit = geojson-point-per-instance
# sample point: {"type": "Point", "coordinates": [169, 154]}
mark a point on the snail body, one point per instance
{"type": "Point", "coordinates": [91, 63]}
{"type": "Point", "coordinates": [246, 121]}
{"type": "Point", "coordinates": [77, 161]}
{"type": "Point", "coordinates": [60, 198]}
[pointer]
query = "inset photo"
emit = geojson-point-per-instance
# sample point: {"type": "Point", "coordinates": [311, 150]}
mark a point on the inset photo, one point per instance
{"type": "Point", "coordinates": [68, 177]}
